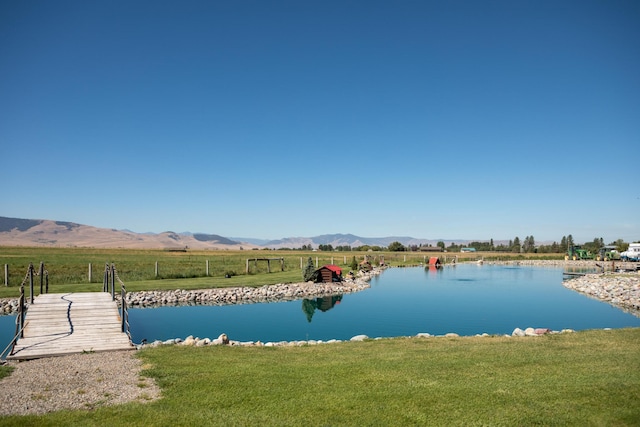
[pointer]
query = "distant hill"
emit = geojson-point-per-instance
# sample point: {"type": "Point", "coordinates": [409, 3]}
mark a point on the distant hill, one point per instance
{"type": "Point", "coordinates": [351, 240]}
{"type": "Point", "coordinates": [37, 232]}
{"type": "Point", "coordinates": [29, 232]}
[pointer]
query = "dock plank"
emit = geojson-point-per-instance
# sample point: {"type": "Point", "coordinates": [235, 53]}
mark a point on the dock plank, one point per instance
{"type": "Point", "coordinates": [62, 324]}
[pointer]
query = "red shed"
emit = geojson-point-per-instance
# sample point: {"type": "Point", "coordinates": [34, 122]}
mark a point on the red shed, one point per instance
{"type": "Point", "coordinates": [329, 273]}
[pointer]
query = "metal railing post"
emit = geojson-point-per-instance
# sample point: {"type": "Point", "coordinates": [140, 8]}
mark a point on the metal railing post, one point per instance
{"type": "Point", "coordinates": [21, 313]}
{"type": "Point", "coordinates": [41, 274]}
{"type": "Point", "coordinates": [105, 282]}
{"type": "Point", "coordinates": [113, 281]}
{"type": "Point", "coordinates": [123, 317]}
{"type": "Point", "coordinates": [31, 282]}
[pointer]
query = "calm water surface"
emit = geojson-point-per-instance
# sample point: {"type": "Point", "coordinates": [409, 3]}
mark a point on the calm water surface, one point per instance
{"type": "Point", "coordinates": [466, 299]}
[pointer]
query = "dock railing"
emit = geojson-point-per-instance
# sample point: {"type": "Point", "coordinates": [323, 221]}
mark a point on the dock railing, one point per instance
{"type": "Point", "coordinates": [22, 308]}
{"type": "Point", "coordinates": [110, 277]}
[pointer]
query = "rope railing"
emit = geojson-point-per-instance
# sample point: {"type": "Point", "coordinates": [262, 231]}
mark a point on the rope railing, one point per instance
{"type": "Point", "coordinates": [44, 280]}
{"type": "Point", "coordinates": [22, 308]}
{"type": "Point", "coordinates": [110, 277]}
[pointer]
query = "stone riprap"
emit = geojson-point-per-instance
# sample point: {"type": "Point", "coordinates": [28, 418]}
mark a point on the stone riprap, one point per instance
{"type": "Point", "coordinates": [619, 289]}
{"type": "Point", "coordinates": [8, 305]}
{"type": "Point", "coordinates": [579, 264]}
{"type": "Point", "coordinates": [236, 295]}
{"type": "Point", "coordinates": [249, 295]}
{"type": "Point", "coordinates": [223, 339]}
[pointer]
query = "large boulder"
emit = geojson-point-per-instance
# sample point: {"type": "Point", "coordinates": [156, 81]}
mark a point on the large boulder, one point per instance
{"type": "Point", "coordinates": [517, 332]}
{"type": "Point", "coordinates": [223, 339]}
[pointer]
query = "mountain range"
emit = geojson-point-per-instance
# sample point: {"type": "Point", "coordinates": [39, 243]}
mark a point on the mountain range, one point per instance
{"type": "Point", "coordinates": [49, 233]}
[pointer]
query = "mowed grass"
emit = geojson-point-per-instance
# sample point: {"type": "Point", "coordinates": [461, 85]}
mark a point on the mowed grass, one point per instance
{"type": "Point", "coordinates": [586, 378]}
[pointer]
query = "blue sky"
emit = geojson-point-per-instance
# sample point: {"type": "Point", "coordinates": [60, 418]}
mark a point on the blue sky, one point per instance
{"type": "Point", "coordinates": [270, 119]}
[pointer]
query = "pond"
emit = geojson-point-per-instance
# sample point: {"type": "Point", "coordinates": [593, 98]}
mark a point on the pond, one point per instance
{"type": "Point", "coordinates": [467, 299]}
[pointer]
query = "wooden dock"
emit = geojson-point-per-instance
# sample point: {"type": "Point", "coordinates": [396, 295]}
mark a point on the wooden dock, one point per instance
{"type": "Point", "coordinates": [61, 324]}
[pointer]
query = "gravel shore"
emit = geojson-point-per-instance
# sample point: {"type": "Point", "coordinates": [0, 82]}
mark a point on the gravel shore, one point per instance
{"type": "Point", "coordinates": [79, 381]}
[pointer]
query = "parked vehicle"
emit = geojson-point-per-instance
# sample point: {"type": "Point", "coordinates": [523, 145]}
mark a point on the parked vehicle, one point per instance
{"type": "Point", "coordinates": [608, 253]}
{"type": "Point", "coordinates": [631, 254]}
{"type": "Point", "coordinates": [576, 252]}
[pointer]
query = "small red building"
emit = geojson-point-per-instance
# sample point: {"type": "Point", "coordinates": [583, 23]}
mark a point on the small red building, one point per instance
{"type": "Point", "coordinates": [329, 273]}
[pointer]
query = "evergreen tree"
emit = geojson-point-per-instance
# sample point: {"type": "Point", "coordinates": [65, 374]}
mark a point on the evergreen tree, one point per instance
{"type": "Point", "coordinates": [516, 245]}
{"type": "Point", "coordinates": [307, 274]}
{"type": "Point", "coordinates": [529, 244]}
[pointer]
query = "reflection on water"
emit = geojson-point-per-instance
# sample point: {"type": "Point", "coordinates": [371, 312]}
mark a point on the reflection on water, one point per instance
{"type": "Point", "coordinates": [432, 270]}
{"type": "Point", "coordinates": [467, 299]}
{"type": "Point", "coordinates": [309, 306]}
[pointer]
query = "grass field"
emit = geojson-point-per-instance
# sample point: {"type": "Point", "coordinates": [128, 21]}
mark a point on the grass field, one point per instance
{"type": "Point", "coordinates": [587, 378]}
{"type": "Point", "coordinates": [68, 268]}
{"type": "Point", "coordinates": [581, 379]}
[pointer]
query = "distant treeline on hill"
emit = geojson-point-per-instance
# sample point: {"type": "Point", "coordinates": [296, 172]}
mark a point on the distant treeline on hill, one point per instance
{"type": "Point", "coordinates": [529, 246]}
{"type": "Point", "coordinates": [515, 246]}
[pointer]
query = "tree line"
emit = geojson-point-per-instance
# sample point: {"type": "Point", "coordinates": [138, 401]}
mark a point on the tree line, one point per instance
{"type": "Point", "coordinates": [527, 245]}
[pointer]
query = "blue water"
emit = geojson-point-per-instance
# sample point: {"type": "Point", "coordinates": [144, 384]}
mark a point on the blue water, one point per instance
{"type": "Point", "coordinates": [467, 299]}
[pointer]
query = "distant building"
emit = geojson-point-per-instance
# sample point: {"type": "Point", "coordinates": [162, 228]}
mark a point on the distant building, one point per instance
{"type": "Point", "coordinates": [430, 249]}
{"type": "Point", "coordinates": [467, 249]}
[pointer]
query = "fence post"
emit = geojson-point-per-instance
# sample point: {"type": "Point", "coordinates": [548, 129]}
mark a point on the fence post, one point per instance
{"type": "Point", "coordinates": [300, 263]}
{"type": "Point", "coordinates": [316, 262]}
{"type": "Point", "coordinates": [207, 268]}
{"type": "Point", "coordinates": [156, 268]}
{"type": "Point", "coordinates": [6, 274]}
{"type": "Point", "coordinates": [90, 272]}
{"type": "Point", "coordinates": [31, 282]}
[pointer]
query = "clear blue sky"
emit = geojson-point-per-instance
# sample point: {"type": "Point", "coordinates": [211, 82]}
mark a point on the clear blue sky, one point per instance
{"type": "Point", "coordinates": [271, 119]}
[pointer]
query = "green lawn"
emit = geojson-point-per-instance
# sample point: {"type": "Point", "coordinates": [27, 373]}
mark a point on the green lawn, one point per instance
{"type": "Point", "coordinates": [68, 268]}
{"type": "Point", "coordinates": [586, 378]}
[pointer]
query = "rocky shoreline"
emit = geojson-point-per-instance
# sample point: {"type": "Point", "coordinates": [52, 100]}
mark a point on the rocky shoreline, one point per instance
{"type": "Point", "coordinates": [249, 295]}
{"type": "Point", "coordinates": [235, 295]}
{"type": "Point", "coordinates": [223, 339]}
{"type": "Point", "coordinates": [619, 289]}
